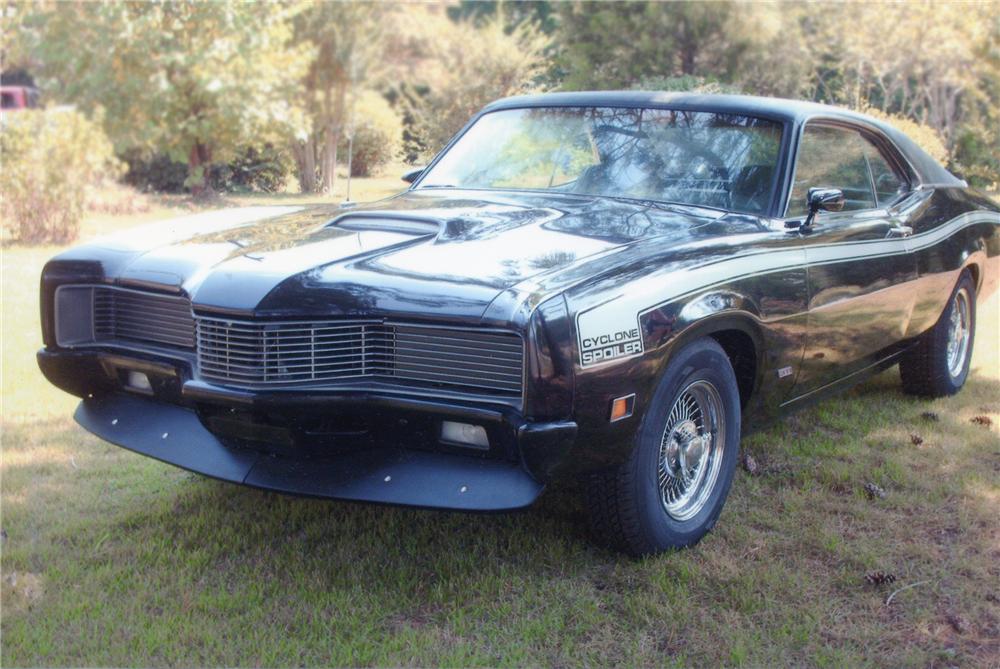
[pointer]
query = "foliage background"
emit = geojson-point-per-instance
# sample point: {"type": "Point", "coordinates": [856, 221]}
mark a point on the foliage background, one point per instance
{"type": "Point", "coordinates": [202, 83]}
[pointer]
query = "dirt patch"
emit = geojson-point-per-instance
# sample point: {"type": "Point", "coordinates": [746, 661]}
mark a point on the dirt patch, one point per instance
{"type": "Point", "coordinates": [22, 590]}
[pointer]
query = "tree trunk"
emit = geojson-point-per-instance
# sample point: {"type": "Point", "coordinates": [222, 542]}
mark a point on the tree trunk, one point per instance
{"type": "Point", "coordinates": [309, 166]}
{"type": "Point", "coordinates": [350, 163]}
{"type": "Point", "coordinates": [199, 160]}
{"type": "Point", "coordinates": [332, 137]}
{"type": "Point", "coordinates": [334, 160]}
{"type": "Point", "coordinates": [689, 52]}
{"type": "Point", "coordinates": [305, 163]}
{"type": "Point", "coordinates": [326, 159]}
{"type": "Point", "coordinates": [331, 140]}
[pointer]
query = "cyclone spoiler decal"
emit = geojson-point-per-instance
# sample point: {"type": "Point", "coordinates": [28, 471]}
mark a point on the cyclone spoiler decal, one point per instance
{"type": "Point", "coordinates": [608, 332]}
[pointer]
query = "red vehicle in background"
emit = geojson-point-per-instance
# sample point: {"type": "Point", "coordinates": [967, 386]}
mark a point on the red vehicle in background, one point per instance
{"type": "Point", "coordinates": [18, 97]}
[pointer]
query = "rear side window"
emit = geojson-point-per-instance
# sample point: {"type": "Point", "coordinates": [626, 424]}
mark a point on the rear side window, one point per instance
{"type": "Point", "coordinates": [888, 184]}
{"type": "Point", "coordinates": [832, 157]}
{"type": "Point", "coordinates": [835, 157]}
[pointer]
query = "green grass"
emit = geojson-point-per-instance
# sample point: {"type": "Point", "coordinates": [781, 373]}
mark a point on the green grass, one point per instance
{"type": "Point", "coordinates": [110, 558]}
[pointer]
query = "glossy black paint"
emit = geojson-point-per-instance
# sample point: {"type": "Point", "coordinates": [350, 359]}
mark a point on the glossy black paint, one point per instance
{"type": "Point", "coordinates": [381, 473]}
{"type": "Point", "coordinates": [802, 311]}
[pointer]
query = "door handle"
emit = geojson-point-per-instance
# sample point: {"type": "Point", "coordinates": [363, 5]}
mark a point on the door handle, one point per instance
{"type": "Point", "coordinates": [899, 231]}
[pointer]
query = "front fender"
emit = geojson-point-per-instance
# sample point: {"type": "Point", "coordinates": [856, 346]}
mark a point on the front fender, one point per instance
{"type": "Point", "coordinates": [734, 321]}
{"type": "Point", "coordinates": [601, 443]}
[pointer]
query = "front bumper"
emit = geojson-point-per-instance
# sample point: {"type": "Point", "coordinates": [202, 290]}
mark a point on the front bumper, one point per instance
{"type": "Point", "coordinates": [400, 462]}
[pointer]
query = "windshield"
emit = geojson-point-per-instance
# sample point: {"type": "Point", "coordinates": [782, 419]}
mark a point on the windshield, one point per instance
{"type": "Point", "coordinates": [725, 161]}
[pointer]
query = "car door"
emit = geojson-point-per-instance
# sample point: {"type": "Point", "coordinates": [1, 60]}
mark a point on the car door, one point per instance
{"type": "Point", "coordinates": [861, 278]}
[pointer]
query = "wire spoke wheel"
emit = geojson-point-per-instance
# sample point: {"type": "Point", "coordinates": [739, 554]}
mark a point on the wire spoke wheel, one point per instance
{"type": "Point", "coordinates": [691, 450]}
{"type": "Point", "coordinates": [670, 490]}
{"type": "Point", "coordinates": [937, 364]}
{"type": "Point", "coordinates": [959, 332]}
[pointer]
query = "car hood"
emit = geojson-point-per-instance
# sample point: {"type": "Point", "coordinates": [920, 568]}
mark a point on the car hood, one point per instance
{"type": "Point", "coordinates": [447, 254]}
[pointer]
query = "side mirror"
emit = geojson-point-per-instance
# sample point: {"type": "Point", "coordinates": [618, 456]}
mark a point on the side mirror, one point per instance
{"type": "Point", "coordinates": [823, 199]}
{"type": "Point", "coordinates": [827, 199]}
{"type": "Point", "coordinates": [413, 175]}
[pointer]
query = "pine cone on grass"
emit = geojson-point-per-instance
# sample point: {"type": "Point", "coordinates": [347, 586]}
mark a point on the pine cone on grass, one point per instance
{"type": "Point", "coordinates": [878, 578]}
{"type": "Point", "coordinates": [873, 491]}
{"type": "Point", "coordinates": [750, 464]}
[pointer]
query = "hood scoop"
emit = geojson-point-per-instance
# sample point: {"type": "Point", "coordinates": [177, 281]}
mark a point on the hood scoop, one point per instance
{"type": "Point", "coordinates": [384, 222]}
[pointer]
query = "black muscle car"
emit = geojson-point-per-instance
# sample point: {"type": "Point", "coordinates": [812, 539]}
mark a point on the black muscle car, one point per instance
{"type": "Point", "coordinates": [607, 285]}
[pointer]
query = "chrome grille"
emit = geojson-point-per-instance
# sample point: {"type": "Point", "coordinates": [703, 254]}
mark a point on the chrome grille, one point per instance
{"type": "Point", "coordinates": [254, 354]}
{"type": "Point", "coordinates": [131, 315]}
{"type": "Point", "coordinates": [476, 359]}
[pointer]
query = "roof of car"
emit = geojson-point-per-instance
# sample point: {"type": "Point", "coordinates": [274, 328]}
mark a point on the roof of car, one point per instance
{"type": "Point", "coordinates": [786, 110]}
{"type": "Point", "coordinates": [928, 170]}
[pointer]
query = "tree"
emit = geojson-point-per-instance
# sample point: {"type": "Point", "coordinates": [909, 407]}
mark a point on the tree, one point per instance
{"type": "Point", "coordinates": [977, 144]}
{"type": "Point", "coordinates": [347, 41]}
{"type": "Point", "coordinates": [540, 12]}
{"type": "Point", "coordinates": [614, 45]}
{"type": "Point", "coordinates": [919, 60]}
{"type": "Point", "coordinates": [375, 134]}
{"type": "Point", "coordinates": [194, 79]}
{"type": "Point", "coordinates": [467, 67]}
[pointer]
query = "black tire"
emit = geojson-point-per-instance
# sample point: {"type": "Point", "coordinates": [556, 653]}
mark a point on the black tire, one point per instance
{"type": "Point", "coordinates": [626, 505]}
{"type": "Point", "coordinates": [925, 369]}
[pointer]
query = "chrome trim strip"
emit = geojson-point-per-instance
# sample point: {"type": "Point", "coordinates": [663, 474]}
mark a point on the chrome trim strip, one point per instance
{"type": "Point", "coordinates": [630, 307]}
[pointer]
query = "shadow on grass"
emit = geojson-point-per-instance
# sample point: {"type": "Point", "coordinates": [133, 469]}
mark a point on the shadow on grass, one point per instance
{"type": "Point", "coordinates": [129, 498]}
{"type": "Point", "coordinates": [139, 543]}
{"type": "Point", "coordinates": [228, 520]}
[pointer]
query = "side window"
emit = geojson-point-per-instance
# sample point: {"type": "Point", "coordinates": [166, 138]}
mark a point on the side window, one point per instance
{"type": "Point", "coordinates": [832, 157]}
{"type": "Point", "coordinates": [888, 184]}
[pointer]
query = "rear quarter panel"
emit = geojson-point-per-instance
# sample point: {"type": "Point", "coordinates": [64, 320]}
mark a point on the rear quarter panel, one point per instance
{"type": "Point", "coordinates": [953, 229]}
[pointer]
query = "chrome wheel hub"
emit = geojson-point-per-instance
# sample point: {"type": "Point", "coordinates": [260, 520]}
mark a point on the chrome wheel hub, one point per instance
{"type": "Point", "coordinates": [691, 450]}
{"type": "Point", "coordinates": [959, 333]}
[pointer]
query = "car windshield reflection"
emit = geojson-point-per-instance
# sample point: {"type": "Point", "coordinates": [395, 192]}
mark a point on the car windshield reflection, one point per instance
{"type": "Point", "coordinates": [723, 161]}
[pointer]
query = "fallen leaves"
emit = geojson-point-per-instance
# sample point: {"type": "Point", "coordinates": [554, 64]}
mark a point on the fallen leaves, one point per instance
{"type": "Point", "coordinates": [930, 416]}
{"type": "Point", "coordinates": [985, 421]}
{"type": "Point", "coordinates": [749, 464]}
{"type": "Point", "coordinates": [916, 439]}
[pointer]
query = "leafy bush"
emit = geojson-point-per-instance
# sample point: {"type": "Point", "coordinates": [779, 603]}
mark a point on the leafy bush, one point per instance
{"type": "Point", "coordinates": [378, 134]}
{"type": "Point", "coordinates": [262, 169]}
{"type": "Point", "coordinates": [157, 173]}
{"type": "Point", "coordinates": [977, 155]}
{"type": "Point", "coordinates": [51, 159]}
{"type": "Point", "coordinates": [253, 170]}
{"type": "Point", "coordinates": [926, 137]}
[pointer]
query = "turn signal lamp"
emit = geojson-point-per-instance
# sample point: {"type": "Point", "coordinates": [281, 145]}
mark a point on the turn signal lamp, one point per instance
{"type": "Point", "coordinates": [622, 407]}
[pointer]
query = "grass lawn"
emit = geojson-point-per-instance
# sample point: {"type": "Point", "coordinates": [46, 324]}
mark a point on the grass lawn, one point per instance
{"type": "Point", "coordinates": [109, 558]}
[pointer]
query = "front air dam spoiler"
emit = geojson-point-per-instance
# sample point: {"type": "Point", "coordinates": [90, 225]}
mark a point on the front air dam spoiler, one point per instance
{"type": "Point", "coordinates": [176, 436]}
